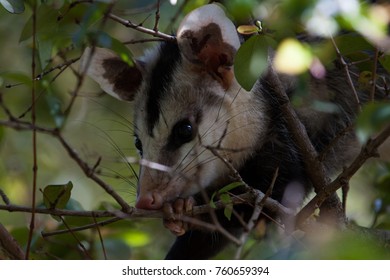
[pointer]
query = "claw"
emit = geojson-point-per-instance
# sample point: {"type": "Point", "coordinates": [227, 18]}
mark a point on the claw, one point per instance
{"type": "Point", "coordinates": [176, 209]}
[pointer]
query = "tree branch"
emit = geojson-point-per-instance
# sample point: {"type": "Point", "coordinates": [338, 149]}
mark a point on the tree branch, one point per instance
{"type": "Point", "coordinates": [314, 167]}
{"type": "Point", "coordinates": [140, 28]}
{"type": "Point", "coordinates": [9, 245]}
{"type": "Point", "coordinates": [88, 171]}
{"type": "Point", "coordinates": [367, 151]}
{"type": "Point", "coordinates": [34, 132]}
{"type": "Point", "coordinates": [348, 75]}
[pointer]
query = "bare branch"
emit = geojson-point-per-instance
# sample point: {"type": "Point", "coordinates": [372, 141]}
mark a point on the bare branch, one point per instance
{"type": "Point", "coordinates": [140, 28]}
{"type": "Point", "coordinates": [346, 69]}
{"type": "Point", "coordinates": [141, 41]}
{"type": "Point", "coordinates": [367, 151]}
{"type": "Point", "coordinates": [314, 167]}
{"type": "Point", "coordinates": [60, 67]}
{"type": "Point", "coordinates": [81, 228]}
{"type": "Point", "coordinates": [58, 212]}
{"type": "Point", "coordinates": [34, 132]}
{"type": "Point", "coordinates": [88, 171]}
{"type": "Point", "coordinates": [4, 197]}
{"type": "Point", "coordinates": [258, 208]}
{"type": "Point", "coordinates": [9, 245]}
{"type": "Point", "coordinates": [157, 17]}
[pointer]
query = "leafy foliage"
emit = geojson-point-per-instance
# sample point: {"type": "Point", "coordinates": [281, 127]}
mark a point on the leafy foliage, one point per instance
{"type": "Point", "coordinates": [252, 60]}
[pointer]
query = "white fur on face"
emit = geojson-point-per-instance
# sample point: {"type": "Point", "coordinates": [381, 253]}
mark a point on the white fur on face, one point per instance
{"type": "Point", "coordinates": [232, 124]}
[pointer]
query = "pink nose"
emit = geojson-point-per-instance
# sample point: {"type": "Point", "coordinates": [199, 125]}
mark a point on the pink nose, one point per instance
{"type": "Point", "coordinates": [149, 201]}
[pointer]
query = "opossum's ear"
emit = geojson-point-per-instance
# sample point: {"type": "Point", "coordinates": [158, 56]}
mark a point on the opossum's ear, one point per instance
{"type": "Point", "coordinates": [114, 76]}
{"type": "Point", "coordinates": [209, 40]}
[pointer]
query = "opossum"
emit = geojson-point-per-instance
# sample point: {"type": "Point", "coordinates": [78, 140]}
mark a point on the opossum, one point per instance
{"type": "Point", "coordinates": [187, 99]}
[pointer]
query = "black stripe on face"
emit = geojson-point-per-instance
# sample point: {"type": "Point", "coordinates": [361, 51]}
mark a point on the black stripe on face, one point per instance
{"type": "Point", "coordinates": [160, 79]}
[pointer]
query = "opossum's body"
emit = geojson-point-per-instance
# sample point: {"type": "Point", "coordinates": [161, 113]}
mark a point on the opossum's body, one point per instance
{"type": "Point", "coordinates": [187, 100]}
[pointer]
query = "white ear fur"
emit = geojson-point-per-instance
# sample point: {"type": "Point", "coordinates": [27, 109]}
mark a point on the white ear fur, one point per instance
{"type": "Point", "coordinates": [209, 40]}
{"type": "Point", "coordinates": [205, 15]}
{"type": "Point", "coordinates": [113, 75]}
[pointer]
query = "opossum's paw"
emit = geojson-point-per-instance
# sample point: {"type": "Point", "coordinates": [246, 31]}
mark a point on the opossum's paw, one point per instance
{"type": "Point", "coordinates": [172, 213]}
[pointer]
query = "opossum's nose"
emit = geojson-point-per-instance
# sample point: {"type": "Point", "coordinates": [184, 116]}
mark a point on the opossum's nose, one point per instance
{"type": "Point", "coordinates": [149, 201]}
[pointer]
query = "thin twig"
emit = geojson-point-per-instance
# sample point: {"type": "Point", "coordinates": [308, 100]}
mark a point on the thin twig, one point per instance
{"type": "Point", "coordinates": [100, 237]}
{"type": "Point", "coordinates": [346, 69]}
{"type": "Point", "coordinates": [157, 17]}
{"type": "Point", "coordinates": [88, 171]}
{"type": "Point", "coordinates": [58, 212]}
{"type": "Point", "coordinates": [34, 132]}
{"type": "Point", "coordinates": [4, 197]}
{"type": "Point", "coordinates": [140, 28]}
{"type": "Point", "coordinates": [258, 208]}
{"type": "Point", "coordinates": [141, 41]}
{"type": "Point", "coordinates": [80, 244]}
{"type": "Point", "coordinates": [81, 228]}
{"type": "Point", "coordinates": [60, 67]}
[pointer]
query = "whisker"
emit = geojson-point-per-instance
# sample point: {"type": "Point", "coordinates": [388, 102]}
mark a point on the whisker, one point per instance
{"type": "Point", "coordinates": [126, 121]}
{"type": "Point", "coordinates": [116, 148]}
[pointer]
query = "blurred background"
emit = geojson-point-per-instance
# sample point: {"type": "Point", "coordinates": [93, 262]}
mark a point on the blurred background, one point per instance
{"type": "Point", "coordinates": [99, 128]}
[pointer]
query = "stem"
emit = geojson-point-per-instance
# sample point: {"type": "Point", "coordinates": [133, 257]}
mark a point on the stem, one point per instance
{"type": "Point", "coordinates": [34, 132]}
{"type": "Point", "coordinates": [140, 28]}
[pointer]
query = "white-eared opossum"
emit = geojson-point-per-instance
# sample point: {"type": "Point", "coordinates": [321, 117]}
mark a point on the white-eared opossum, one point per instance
{"type": "Point", "coordinates": [186, 99]}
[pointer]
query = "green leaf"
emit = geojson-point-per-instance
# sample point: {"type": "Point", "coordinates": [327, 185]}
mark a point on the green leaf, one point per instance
{"type": "Point", "coordinates": [13, 6]}
{"type": "Point", "coordinates": [348, 44]}
{"type": "Point", "coordinates": [94, 13]}
{"type": "Point", "coordinates": [47, 25]}
{"type": "Point", "coordinates": [240, 9]}
{"type": "Point", "coordinates": [103, 40]}
{"type": "Point", "coordinates": [228, 211]}
{"type": "Point", "coordinates": [57, 196]}
{"type": "Point", "coordinates": [230, 187]}
{"type": "Point", "coordinates": [223, 191]}
{"type": "Point", "coordinates": [372, 119]}
{"type": "Point", "coordinates": [44, 49]}
{"type": "Point", "coordinates": [252, 60]}
{"type": "Point", "coordinates": [351, 43]}
{"type": "Point", "coordinates": [123, 51]}
{"type": "Point", "coordinates": [18, 77]}
{"type": "Point", "coordinates": [226, 199]}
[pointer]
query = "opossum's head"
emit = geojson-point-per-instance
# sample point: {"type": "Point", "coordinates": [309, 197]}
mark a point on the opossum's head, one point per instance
{"type": "Point", "coordinates": [190, 113]}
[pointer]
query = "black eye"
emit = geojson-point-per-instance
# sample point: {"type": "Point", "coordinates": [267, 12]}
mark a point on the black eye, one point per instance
{"type": "Point", "coordinates": [138, 145]}
{"type": "Point", "coordinates": [182, 132]}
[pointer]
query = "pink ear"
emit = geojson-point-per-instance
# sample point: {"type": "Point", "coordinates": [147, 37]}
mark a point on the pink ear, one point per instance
{"type": "Point", "coordinates": [114, 76]}
{"type": "Point", "coordinates": [207, 38]}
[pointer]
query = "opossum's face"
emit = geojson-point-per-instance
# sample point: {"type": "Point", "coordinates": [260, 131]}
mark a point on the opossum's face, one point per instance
{"type": "Point", "coordinates": [190, 113]}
